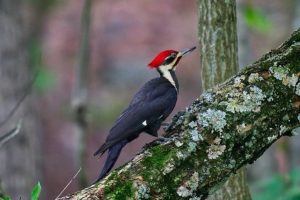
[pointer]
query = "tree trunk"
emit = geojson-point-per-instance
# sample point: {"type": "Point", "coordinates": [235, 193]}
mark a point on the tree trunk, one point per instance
{"type": "Point", "coordinates": [80, 90]}
{"type": "Point", "coordinates": [19, 157]}
{"type": "Point", "coordinates": [218, 41]}
{"type": "Point", "coordinates": [219, 61]}
{"type": "Point", "coordinates": [228, 127]}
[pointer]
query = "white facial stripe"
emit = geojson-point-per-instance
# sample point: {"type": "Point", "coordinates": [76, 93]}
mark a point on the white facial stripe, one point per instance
{"type": "Point", "coordinates": [165, 70]}
{"type": "Point", "coordinates": [175, 60]}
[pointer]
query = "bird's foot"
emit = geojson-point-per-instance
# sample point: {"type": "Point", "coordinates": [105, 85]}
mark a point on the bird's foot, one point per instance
{"type": "Point", "coordinates": [168, 134]}
{"type": "Point", "coordinates": [165, 125]}
{"type": "Point", "coordinates": [163, 139]}
{"type": "Point", "coordinates": [158, 141]}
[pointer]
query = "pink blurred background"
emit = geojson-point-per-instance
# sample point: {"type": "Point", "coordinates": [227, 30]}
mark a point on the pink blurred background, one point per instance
{"type": "Point", "coordinates": [125, 36]}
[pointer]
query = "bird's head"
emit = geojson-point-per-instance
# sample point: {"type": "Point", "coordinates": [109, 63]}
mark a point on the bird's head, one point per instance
{"type": "Point", "coordinates": [168, 59]}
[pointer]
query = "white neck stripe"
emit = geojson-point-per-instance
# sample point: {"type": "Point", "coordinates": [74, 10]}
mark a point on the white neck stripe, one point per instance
{"type": "Point", "coordinates": [166, 74]}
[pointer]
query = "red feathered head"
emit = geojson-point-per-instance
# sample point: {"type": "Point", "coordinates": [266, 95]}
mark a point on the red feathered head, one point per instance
{"type": "Point", "coordinates": [161, 57]}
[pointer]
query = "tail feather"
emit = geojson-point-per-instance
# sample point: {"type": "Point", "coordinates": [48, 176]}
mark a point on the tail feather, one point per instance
{"type": "Point", "coordinates": [113, 154]}
{"type": "Point", "coordinates": [101, 150]}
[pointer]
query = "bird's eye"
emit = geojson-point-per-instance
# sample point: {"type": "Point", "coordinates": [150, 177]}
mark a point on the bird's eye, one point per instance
{"type": "Point", "coordinates": [170, 58]}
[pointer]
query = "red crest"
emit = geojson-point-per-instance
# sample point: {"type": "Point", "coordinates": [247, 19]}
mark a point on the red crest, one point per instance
{"type": "Point", "coordinates": [160, 58]}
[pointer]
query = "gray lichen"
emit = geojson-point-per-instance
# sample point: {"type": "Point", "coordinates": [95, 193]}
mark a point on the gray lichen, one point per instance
{"type": "Point", "coordinates": [212, 118]}
{"type": "Point", "coordinates": [180, 155]}
{"type": "Point", "coordinates": [283, 129]}
{"type": "Point", "coordinates": [178, 143]}
{"type": "Point", "coordinates": [272, 138]}
{"type": "Point", "coordinates": [243, 128]}
{"type": "Point", "coordinates": [253, 77]}
{"type": "Point", "coordinates": [279, 72]}
{"type": "Point", "coordinates": [195, 198]}
{"type": "Point", "coordinates": [192, 124]}
{"type": "Point", "coordinates": [189, 186]}
{"type": "Point", "coordinates": [169, 167]}
{"type": "Point", "coordinates": [238, 81]}
{"type": "Point", "coordinates": [196, 136]}
{"type": "Point", "coordinates": [245, 101]}
{"type": "Point", "coordinates": [297, 90]}
{"type": "Point", "coordinates": [215, 149]}
{"type": "Point", "coordinates": [192, 147]}
{"type": "Point", "coordinates": [143, 191]}
{"type": "Point", "coordinates": [207, 97]}
{"type": "Point", "coordinates": [270, 99]}
{"type": "Point", "coordinates": [282, 74]}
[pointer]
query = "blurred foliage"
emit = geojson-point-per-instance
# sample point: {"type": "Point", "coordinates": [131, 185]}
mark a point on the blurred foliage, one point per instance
{"type": "Point", "coordinates": [43, 5]}
{"type": "Point", "coordinates": [256, 19]}
{"type": "Point", "coordinates": [36, 191]}
{"type": "Point", "coordinates": [5, 198]}
{"type": "Point", "coordinates": [45, 79]}
{"type": "Point", "coordinates": [278, 187]}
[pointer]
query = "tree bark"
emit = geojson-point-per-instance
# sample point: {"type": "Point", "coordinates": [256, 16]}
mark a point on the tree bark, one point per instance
{"type": "Point", "coordinates": [218, 40]}
{"type": "Point", "coordinates": [228, 127]}
{"type": "Point", "coordinates": [219, 61]}
{"type": "Point", "coordinates": [19, 168]}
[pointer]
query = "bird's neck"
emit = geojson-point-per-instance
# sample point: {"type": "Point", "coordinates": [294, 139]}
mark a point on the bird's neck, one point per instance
{"type": "Point", "coordinates": [170, 75]}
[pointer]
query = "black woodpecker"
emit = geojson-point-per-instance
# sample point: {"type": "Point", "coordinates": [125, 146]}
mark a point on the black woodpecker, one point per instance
{"type": "Point", "coordinates": [150, 106]}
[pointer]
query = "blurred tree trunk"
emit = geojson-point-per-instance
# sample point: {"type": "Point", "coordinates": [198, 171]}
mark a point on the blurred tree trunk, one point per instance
{"type": "Point", "coordinates": [219, 61]}
{"type": "Point", "coordinates": [80, 91]}
{"type": "Point", "coordinates": [19, 157]}
{"type": "Point", "coordinates": [244, 53]}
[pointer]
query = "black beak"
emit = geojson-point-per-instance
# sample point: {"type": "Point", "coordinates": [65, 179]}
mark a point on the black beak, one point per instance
{"type": "Point", "coordinates": [186, 51]}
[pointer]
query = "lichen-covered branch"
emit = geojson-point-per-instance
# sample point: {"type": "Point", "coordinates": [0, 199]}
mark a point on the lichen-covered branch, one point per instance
{"type": "Point", "coordinates": [219, 61]}
{"type": "Point", "coordinates": [229, 126]}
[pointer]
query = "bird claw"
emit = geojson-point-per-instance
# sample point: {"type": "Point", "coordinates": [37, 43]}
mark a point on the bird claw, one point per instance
{"type": "Point", "coordinates": [165, 125]}
{"type": "Point", "coordinates": [163, 139]}
{"type": "Point", "coordinates": [158, 141]}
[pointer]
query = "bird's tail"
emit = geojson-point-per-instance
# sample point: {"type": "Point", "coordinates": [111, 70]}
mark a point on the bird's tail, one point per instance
{"type": "Point", "coordinates": [113, 154]}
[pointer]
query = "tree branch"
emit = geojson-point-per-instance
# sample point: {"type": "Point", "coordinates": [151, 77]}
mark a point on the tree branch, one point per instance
{"type": "Point", "coordinates": [10, 134]}
{"type": "Point", "coordinates": [228, 127]}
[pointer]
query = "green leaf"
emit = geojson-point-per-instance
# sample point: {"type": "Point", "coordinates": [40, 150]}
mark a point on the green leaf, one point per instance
{"type": "Point", "coordinates": [35, 193]}
{"type": "Point", "coordinates": [256, 19]}
{"type": "Point", "coordinates": [45, 80]}
{"type": "Point", "coordinates": [5, 198]}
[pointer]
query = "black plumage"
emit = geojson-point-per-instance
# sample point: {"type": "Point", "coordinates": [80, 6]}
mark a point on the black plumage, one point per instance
{"type": "Point", "coordinates": [150, 106]}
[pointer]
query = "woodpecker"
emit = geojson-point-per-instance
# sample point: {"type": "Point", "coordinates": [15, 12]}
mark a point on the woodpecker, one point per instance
{"type": "Point", "coordinates": [150, 106]}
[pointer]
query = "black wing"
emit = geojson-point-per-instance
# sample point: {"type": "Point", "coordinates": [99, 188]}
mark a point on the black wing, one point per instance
{"type": "Point", "coordinates": [149, 104]}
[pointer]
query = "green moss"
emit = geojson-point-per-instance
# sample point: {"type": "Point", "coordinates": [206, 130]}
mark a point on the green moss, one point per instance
{"type": "Point", "coordinates": [112, 176]}
{"type": "Point", "coordinates": [159, 155]}
{"type": "Point", "coordinates": [119, 190]}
